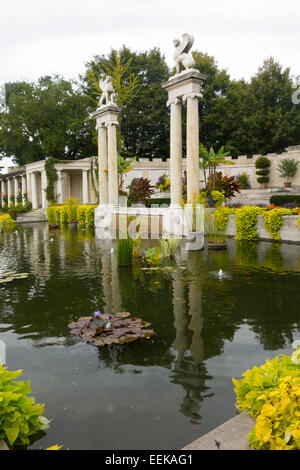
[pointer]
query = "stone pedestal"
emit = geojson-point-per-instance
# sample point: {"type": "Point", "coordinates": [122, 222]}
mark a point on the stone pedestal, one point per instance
{"type": "Point", "coordinates": [184, 87]}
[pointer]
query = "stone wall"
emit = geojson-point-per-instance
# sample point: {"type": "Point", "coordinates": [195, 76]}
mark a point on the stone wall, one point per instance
{"type": "Point", "coordinates": [153, 170]}
{"type": "Point", "coordinates": [244, 164]}
{"type": "Point", "coordinates": [289, 231]}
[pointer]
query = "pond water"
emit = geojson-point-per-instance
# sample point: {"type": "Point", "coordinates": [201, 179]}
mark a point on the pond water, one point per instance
{"type": "Point", "coordinates": [160, 393]}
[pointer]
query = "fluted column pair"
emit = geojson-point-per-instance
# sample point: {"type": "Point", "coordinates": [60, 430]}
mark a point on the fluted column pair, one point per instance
{"type": "Point", "coordinates": [108, 163]}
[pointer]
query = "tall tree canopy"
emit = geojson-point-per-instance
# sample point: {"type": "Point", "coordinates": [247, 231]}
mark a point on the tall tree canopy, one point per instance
{"type": "Point", "coordinates": [47, 118]}
{"type": "Point", "coordinates": [270, 121]}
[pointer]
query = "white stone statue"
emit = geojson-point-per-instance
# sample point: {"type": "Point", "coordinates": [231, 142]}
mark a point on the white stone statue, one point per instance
{"type": "Point", "coordinates": [181, 55]}
{"type": "Point", "coordinates": [108, 94]}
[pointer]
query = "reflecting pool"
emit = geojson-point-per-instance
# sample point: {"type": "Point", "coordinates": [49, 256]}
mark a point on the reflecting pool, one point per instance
{"type": "Point", "coordinates": [160, 393]}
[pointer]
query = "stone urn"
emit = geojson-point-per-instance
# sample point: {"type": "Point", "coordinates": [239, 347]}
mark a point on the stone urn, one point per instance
{"type": "Point", "coordinates": [288, 184]}
{"type": "Point", "coordinates": [263, 185]}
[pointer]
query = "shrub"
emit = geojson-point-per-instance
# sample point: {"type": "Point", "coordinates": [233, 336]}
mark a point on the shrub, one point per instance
{"type": "Point", "coordinates": [270, 393]}
{"type": "Point", "coordinates": [226, 185]}
{"type": "Point", "coordinates": [262, 165]}
{"type": "Point", "coordinates": [140, 190]}
{"type": "Point", "coordinates": [245, 222]}
{"type": "Point", "coordinates": [284, 198]}
{"type": "Point", "coordinates": [274, 221]}
{"type": "Point", "coordinates": [20, 416]}
{"type": "Point", "coordinates": [7, 224]}
{"type": "Point", "coordinates": [163, 183]}
{"type": "Point", "coordinates": [243, 180]}
{"type": "Point", "coordinates": [51, 216]}
{"type": "Point", "coordinates": [82, 216]}
{"type": "Point", "coordinates": [90, 216]}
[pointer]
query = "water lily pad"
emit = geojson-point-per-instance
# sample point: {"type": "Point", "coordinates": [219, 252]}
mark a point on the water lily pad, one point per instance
{"type": "Point", "coordinates": [122, 329]}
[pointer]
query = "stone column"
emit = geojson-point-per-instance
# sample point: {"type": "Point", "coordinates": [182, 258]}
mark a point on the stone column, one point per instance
{"type": "Point", "coordinates": [16, 189]}
{"type": "Point", "coordinates": [185, 86]}
{"type": "Point", "coordinates": [59, 187]}
{"type": "Point", "coordinates": [103, 165]}
{"type": "Point", "coordinates": [44, 189]}
{"type": "Point", "coordinates": [24, 188]}
{"type": "Point", "coordinates": [175, 152]}
{"type": "Point", "coordinates": [34, 199]}
{"type": "Point", "coordinates": [192, 147]}
{"type": "Point", "coordinates": [9, 191]}
{"type": "Point", "coordinates": [113, 189]}
{"type": "Point", "coordinates": [85, 188]}
{"type": "Point", "coordinates": [1, 192]}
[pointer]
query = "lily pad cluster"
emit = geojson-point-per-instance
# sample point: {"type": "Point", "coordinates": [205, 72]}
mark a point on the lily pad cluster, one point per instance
{"type": "Point", "coordinates": [11, 276]}
{"type": "Point", "coordinates": [105, 329]}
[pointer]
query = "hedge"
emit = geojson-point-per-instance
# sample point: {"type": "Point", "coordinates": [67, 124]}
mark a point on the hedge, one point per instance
{"type": "Point", "coordinates": [284, 199]}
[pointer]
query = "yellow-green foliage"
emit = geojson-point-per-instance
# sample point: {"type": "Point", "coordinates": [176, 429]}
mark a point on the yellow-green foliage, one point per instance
{"type": "Point", "coordinates": [271, 395]}
{"type": "Point", "coordinates": [218, 197]}
{"type": "Point", "coordinates": [274, 221]}
{"type": "Point", "coordinates": [245, 222]}
{"type": "Point", "coordinates": [7, 224]}
{"type": "Point", "coordinates": [82, 216]}
{"type": "Point", "coordinates": [63, 214]}
{"type": "Point", "coordinates": [221, 217]}
{"type": "Point", "coordinates": [90, 216]}
{"type": "Point", "coordinates": [20, 416]}
{"type": "Point", "coordinates": [51, 215]}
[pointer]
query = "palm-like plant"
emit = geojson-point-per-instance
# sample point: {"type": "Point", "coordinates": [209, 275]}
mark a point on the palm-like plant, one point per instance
{"type": "Point", "coordinates": [287, 168]}
{"type": "Point", "coordinates": [123, 167]}
{"type": "Point", "coordinates": [209, 161]}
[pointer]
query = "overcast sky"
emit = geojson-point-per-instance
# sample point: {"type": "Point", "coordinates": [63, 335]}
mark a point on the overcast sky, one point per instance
{"type": "Point", "coordinates": [39, 37]}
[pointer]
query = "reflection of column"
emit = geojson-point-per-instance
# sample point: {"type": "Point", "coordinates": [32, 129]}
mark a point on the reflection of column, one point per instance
{"type": "Point", "coordinates": [34, 191]}
{"type": "Point", "coordinates": [113, 190]}
{"type": "Point", "coordinates": [44, 189]}
{"type": "Point", "coordinates": [175, 152]}
{"type": "Point", "coordinates": [196, 324]}
{"type": "Point", "coordinates": [106, 282]}
{"type": "Point", "coordinates": [103, 165]}
{"type": "Point", "coordinates": [115, 288]}
{"type": "Point", "coordinates": [180, 343]}
{"type": "Point", "coordinates": [59, 187]}
{"type": "Point", "coordinates": [1, 192]}
{"type": "Point", "coordinates": [24, 189]}
{"type": "Point", "coordinates": [9, 192]}
{"type": "Point", "coordinates": [192, 147]}
{"type": "Point", "coordinates": [85, 190]}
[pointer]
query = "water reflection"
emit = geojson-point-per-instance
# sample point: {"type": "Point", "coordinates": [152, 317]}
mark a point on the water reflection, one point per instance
{"type": "Point", "coordinates": [193, 314]}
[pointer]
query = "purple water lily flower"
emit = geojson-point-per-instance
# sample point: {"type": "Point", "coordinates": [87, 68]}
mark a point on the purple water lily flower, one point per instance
{"type": "Point", "coordinates": [97, 314]}
{"type": "Point", "coordinates": [218, 444]}
{"type": "Point", "coordinates": [109, 316]}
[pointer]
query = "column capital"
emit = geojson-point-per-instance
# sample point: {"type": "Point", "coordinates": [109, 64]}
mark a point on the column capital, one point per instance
{"type": "Point", "coordinates": [111, 123]}
{"type": "Point", "coordinates": [174, 101]}
{"type": "Point", "coordinates": [192, 96]}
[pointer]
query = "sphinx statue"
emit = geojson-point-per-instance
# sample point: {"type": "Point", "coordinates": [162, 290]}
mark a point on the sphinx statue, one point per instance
{"type": "Point", "coordinates": [181, 54]}
{"type": "Point", "coordinates": [108, 94]}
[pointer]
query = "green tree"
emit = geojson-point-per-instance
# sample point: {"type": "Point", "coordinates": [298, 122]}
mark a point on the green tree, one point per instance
{"type": "Point", "coordinates": [270, 120]}
{"type": "Point", "coordinates": [45, 119]}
